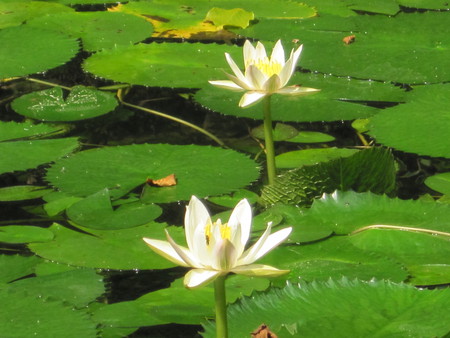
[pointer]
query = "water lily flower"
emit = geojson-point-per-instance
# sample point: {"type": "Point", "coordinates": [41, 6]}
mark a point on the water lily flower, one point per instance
{"type": "Point", "coordinates": [216, 249]}
{"type": "Point", "coordinates": [263, 76]}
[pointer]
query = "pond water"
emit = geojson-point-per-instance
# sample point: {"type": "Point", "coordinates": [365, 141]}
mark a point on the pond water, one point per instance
{"type": "Point", "coordinates": [108, 126]}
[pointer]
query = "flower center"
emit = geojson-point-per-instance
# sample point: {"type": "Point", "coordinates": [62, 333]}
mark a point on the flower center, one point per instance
{"type": "Point", "coordinates": [267, 66]}
{"type": "Point", "coordinates": [224, 230]}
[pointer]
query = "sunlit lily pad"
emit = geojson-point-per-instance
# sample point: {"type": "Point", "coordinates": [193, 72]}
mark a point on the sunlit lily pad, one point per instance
{"type": "Point", "coordinates": [14, 267]}
{"type": "Point", "coordinates": [22, 192]}
{"type": "Point", "coordinates": [160, 64]}
{"type": "Point", "coordinates": [51, 105]}
{"type": "Point", "coordinates": [96, 212]}
{"type": "Point", "coordinates": [37, 318]}
{"type": "Point", "coordinates": [27, 129]}
{"type": "Point", "coordinates": [420, 126]}
{"type": "Point", "coordinates": [306, 136]}
{"type": "Point", "coordinates": [15, 234]}
{"type": "Point", "coordinates": [15, 13]}
{"type": "Point", "coordinates": [98, 30]}
{"type": "Point", "coordinates": [122, 169]}
{"type": "Point", "coordinates": [34, 153]}
{"type": "Point", "coordinates": [27, 50]}
{"type": "Point", "coordinates": [330, 309]}
{"type": "Point", "coordinates": [299, 158]}
{"type": "Point", "coordinates": [383, 48]}
{"type": "Point", "coordinates": [118, 249]}
{"type": "Point", "coordinates": [339, 99]}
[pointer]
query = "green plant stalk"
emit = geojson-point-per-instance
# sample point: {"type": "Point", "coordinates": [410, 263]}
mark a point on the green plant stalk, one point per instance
{"type": "Point", "coordinates": [268, 137]}
{"type": "Point", "coordinates": [221, 307]}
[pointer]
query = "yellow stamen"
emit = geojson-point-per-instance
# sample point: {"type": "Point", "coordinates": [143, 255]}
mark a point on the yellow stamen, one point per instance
{"type": "Point", "coordinates": [207, 233]}
{"type": "Point", "coordinates": [225, 231]}
{"type": "Point", "coordinates": [267, 66]}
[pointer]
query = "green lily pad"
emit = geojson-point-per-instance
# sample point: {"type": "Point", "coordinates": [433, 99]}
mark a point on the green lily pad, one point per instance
{"type": "Point", "coordinates": [78, 287]}
{"type": "Point", "coordinates": [88, 172]}
{"type": "Point", "coordinates": [50, 105]}
{"type": "Point", "coordinates": [37, 318]}
{"type": "Point", "coordinates": [299, 158]}
{"type": "Point", "coordinates": [424, 4]}
{"type": "Point", "coordinates": [22, 192]}
{"type": "Point", "coordinates": [175, 304]}
{"type": "Point", "coordinates": [159, 64]}
{"type": "Point", "coordinates": [98, 30]}
{"type": "Point", "coordinates": [57, 202]}
{"type": "Point", "coordinates": [339, 99]}
{"type": "Point", "coordinates": [96, 212]}
{"type": "Point", "coordinates": [425, 115]}
{"type": "Point", "coordinates": [15, 13]}
{"type": "Point", "coordinates": [118, 249]}
{"type": "Point", "coordinates": [27, 50]}
{"type": "Point", "coordinates": [281, 132]}
{"type": "Point", "coordinates": [305, 136]}
{"type": "Point", "coordinates": [236, 17]}
{"type": "Point", "coordinates": [383, 48]}
{"type": "Point", "coordinates": [367, 170]}
{"type": "Point", "coordinates": [27, 129]}
{"type": "Point", "coordinates": [15, 234]}
{"type": "Point", "coordinates": [34, 153]}
{"type": "Point", "coordinates": [439, 182]}
{"type": "Point", "coordinates": [230, 201]}
{"type": "Point", "coordinates": [329, 309]}
{"type": "Point", "coordinates": [14, 267]}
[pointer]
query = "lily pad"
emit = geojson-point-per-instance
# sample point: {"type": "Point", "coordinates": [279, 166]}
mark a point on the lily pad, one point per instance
{"type": "Point", "coordinates": [14, 267]}
{"type": "Point", "coordinates": [329, 309]}
{"type": "Point", "coordinates": [27, 129]}
{"type": "Point", "coordinates": [299, 158]}
{"type": "Point", "coordinates": [98, 30]}
{"type": "Point", "coordinates": [15, 13]}
{"type": "Point", "coordinates": [118, 249]}
{"type": "Point", "coordinates": [50, 105]}
{"type": "Point", "coordinates": [281, 132]}
{"type": "Point", "coordinates": [22, 192]}
{"type": "Point", "coordinates": [27, 50]}
{"type": "Point", "coordinates": [34, 153]}
{"type": "Point", "coordinates": [339, 99]}
{"type": "Point", "coordinates": [96, 212]}
{"type": "Point", "coordinates": [88, 172]}
{"type": "Point", "coordinates": [439, 182]}
{"type": "Point", "coordinates": [16, 234]}
{"type": "Point", "coordinates": [382, 49]}
{"type": "Point", "coordinates": [305, 136]}
{"type": "Point", "coordinates": [236, 17]}
{"type": "Point", "coordinates": [420, 125]}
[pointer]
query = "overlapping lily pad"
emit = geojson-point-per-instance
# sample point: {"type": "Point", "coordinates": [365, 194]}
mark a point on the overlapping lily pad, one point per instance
{"type": "Point", "coordinates": [98, 30]}
{"type": "Point", "coordinates": [420, 125]}
{"type": "Point", "coordinates": [27, 129]}
{"type": "Point", "coordinates": [51, 105]}
{"type": "Point", "coordinates": [383, 48]}
{"type": "Point", "coordinates": [124, 168]}
{"type": "Point", "coordinates": [15, 13]}
{"type": "Point", "coordinates": [118, 249]}
{"type": "Point", "coordinates": [339, 99]}
{"type": "Point", "coordinates": [34, 153]}
{"type": "Point", "coordinates": [325, 309]}
{"type": "Point", "coordinates": [160, 64]}
{"type": "Point", "coordinates": [27, 50]}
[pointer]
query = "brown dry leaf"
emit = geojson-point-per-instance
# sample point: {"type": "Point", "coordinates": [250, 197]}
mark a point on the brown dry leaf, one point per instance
{"type": "Point", "coordinates": [168, 181]}
{"type": "Point", "coordinates": [349, 39]}
{"type": "Point", "coordinates": [263, 332]}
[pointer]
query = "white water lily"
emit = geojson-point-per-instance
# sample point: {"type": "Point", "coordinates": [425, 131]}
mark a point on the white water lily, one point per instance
{"type": "Point", "coordinates": [263, 76]}
{"type": "Point", "coordinates": [216, 249]}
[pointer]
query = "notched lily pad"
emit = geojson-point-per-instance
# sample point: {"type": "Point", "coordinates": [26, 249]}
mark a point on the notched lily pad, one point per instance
{"type": "Point", "coordinates": [51, 105]}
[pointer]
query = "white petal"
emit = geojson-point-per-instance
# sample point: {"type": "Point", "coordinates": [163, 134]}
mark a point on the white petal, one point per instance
{"type": "Point", "coordinates": [249, 53]}
{"type": "Point", "coordinates": [260, 51]}
{"type": "Point", "coordinates": [258, 270]}
{"type": "Point", "coordinates": [286, 73]}
{"type": "Point", "coordinates": [186, 255]}
{"type": "Point", "coordinates": [164, 249]}
{"type": "Point", "coordinates": [198, 277]}
{"type": "Point", "coordinates": [264, 244]}
{"type": "Point", "coordinates": [234, 67]}
{"type": "Point", "coordinates": [245, 85]}
{"type": "Point", "coordinates": [251, 98]}
{"type": "Point", "coordinates": [240, 223]}
{"type": "Point", "coordinates": [231, 85]}
{"type": "Point", "coordinates": [278, 53]}
{"type": "Point", "coordinates": [297, 90]}
{"type": "Point", "coordinates": [224, 255]}
{"type": "Point", "coordinates": [272, 85]}
{"type": "Point", "coordinates": [195, 221]}
{"type": "Point", "coordinates": [255, 77]}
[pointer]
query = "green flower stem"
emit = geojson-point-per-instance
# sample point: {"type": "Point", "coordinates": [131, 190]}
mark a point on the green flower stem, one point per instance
{"type": "Point", "coordinates": [221, 307]}
{"type": "Point", "coordinates": [268, 136]}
